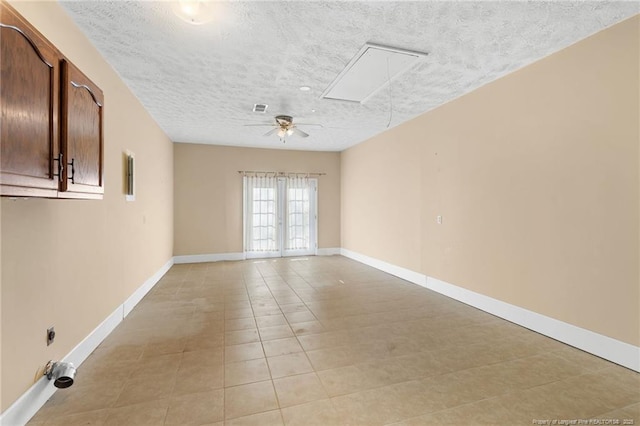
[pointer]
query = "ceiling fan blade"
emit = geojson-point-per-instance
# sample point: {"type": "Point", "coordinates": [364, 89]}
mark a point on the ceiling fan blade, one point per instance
{"type": "Point", "coordinates": [309, 124]}
{"type": "Point", "coordinates": [299, 132]}
{"type": "Point", "coordinates": [272, 131]}
{"type": "Point", "coordinates": [262, 125]}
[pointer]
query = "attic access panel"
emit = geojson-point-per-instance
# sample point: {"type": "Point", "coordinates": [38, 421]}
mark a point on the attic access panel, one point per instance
{"type": "Point", "coordinates": [371, 70]}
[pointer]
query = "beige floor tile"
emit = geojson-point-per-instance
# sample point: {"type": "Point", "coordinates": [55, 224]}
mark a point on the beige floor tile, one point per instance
{"type": "Point", "coordinates": [526, 405]}
{"type": "Point", "coordinates": [591, 394]}
{"type": "Point", "coordinates": [271, 320]}
{"type": "Point", "coordinates": [288, 308]}
{"type": "Point", "coordinates": [324, 359]}
{"type": "Point", "coordinates": [389, 371]}
{"type": "Point", "coordinates": [288, 365]}
{"type": "Point", "coordinates": [203, 358]}
{"type": "Point", "coordinates": [144, 414]}
{"type": "Point", "coordinates": [487, 412]}
{"type": "Point", "coordinates": [298, 317]}
{"type": "Point", "coordinates": [582, 359]}
{"type": "Point", "coordinates": [534, 371]}
{"type": "Point", "coordinates": [120, 352]}
{"type": "Point", "coordinates": [163, 347]}
{"type": "Point", "coordinates": [241, 336]}
{"type": "Point", "coordinates": [316, 413]}
{"type": "Point", "coordinates": [96, 417]}
{"type": "Point", "coordinates": [295, 390]}
{"type": "Point", "coordinates": [345, 380]}
{"type": "Point", "coordinates": [622, 377]}
{"type": "Point", "coordinates": [158, 365]}
{"type": "Point", "coordinates": [269, 418]}
{"type": "Point", "coordinates": [243, 352]}
{"type": "Point", "coordinates": [239, 373]}
{"type": "Point", "coordinates": [199, 342]}
{"type": "Point", "coordinates": [198, 378]}
{"type": "Point", "coordinates": [330, 339]}
{"type": "Point", "coordinates": [236, 303]}
{"type": "Point", "coordinates": [81, 398]}
{"type": "Point", "coordinates": [462, 387]}
{"type": "Point", "coordinates": [626, 415]}
{"type": "Point", "coordinates": [243, 400]}
{"type": "Point", "coordinates": [267, 311]}
{"type": "Point", "coordinates": [275, 332]}
{"type": "Point", "coordinates": [196, 409]}
{"type": "Point", "coordinates": [238, 313]}
{"type": "Point", "coordinates": [364, 409]}
{"type": "Point", "coordinates": [239, 324]}
{"type": "Point", "coordinates": [106, 369]}
{"type": "Point", "coordinates": [309, 327]}
{"type": "Point", "coordinates": [278, 347]}
{"type": "Point", "coordinates": [411, 398]}
{"type": "Point", "coordinates": [148, 388]}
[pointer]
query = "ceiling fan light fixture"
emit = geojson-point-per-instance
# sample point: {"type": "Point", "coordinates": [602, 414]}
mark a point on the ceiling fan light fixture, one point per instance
{"type": "Point", "coordinates": [195, 12]}
{"type": "Point", "coordinates": [289, 132]}
{"type": "Point", "coordinates": [281, 133]}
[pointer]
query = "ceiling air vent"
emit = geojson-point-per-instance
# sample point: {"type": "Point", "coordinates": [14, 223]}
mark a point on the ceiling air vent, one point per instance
{"type": "Point", "coordinates": [260, 108]}
{"type": "Point", "coordinates": [372, 69]}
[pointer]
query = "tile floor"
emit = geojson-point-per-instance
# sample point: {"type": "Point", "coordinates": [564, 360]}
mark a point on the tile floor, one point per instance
{"type": "Point", "coordinates": [328, 341]}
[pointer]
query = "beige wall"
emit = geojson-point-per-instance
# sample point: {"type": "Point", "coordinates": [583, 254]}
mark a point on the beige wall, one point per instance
{"type": "Point", "coordinates": [71, 263]}
{"type": "Point", "coordinates": [537, 179]}
{"type": "Point", "coordinates": [380, 197]}
{"type": "Point", "coordinates": [208, 194]}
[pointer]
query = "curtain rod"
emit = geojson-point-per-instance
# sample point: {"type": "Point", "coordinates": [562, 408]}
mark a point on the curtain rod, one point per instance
{"type": "Point", "coordinates": [279, 174]}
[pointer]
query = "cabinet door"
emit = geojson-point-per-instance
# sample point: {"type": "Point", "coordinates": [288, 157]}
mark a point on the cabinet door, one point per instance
{"type": "Point", "coordinates": [81, 135]}
{"type": "Point", "coordinates": [29, 109]}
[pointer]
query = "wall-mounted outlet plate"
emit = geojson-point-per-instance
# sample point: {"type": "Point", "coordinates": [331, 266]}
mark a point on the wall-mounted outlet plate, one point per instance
{"type": "Point", "coordinates": [51, 334]}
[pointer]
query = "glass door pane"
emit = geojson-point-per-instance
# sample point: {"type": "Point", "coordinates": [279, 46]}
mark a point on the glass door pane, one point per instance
{"type": "Point", "coordinates": [300, 217]}
{"type": "Point", "coordinates": [262, 224]}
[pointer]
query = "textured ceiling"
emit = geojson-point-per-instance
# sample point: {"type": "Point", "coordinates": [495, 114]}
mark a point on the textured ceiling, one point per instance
{"type": "Point", "coordinates": [200, 82]}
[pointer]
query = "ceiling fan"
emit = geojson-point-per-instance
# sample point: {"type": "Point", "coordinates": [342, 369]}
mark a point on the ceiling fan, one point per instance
{"type": "Point", "coordinates": [284, 127]}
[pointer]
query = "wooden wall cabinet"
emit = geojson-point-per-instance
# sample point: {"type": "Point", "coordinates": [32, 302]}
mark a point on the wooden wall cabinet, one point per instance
{"type": "Point", "coordinates": [51, 129]}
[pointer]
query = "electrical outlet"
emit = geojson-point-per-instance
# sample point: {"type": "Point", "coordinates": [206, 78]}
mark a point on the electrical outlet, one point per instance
{"type": "Point", "coordinates": [51, 334]}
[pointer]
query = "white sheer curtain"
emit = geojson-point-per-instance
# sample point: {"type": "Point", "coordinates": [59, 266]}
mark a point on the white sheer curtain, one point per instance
{"type": "Point", "coordinates": [297, 214]}
{"type": "Point", "coordinates": [261, 214]}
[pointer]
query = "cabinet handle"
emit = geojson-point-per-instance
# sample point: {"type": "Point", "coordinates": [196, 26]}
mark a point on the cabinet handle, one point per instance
{"type": "Point", "coordinates": [73, 170]}
{"type": "Point", "coordinates": [60, 167]}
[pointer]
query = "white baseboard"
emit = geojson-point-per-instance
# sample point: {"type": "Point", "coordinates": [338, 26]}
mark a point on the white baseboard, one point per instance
{"type": "Point", "coordinates": [600, 345]}
{"type": "Point", "coordinates": [218, 257]}
{"type": "Point", "coordinates": [605, 347]}
{"type": "Point", "coordinates": [405, 274]}
{"type": "Point", "coordinates": [137, 295]}
{"type": "Point", "coordinates": [25, 407]}
{"type": "Point", "coordinates": [328, 251]}
{"type": "Point", "coordinates": [200, 258]}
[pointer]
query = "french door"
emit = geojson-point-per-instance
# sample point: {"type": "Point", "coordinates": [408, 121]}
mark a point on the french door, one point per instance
{"type": "Point", "coordinates": [280, 216]}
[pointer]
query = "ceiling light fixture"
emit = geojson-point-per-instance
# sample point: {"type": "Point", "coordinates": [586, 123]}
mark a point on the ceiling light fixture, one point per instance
{"type": "Point", "coordinates": [196, 12]}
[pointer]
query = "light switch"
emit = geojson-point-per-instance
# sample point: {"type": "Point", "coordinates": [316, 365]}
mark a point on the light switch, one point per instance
{"type": "Point", "coordinates": [439, 220]}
